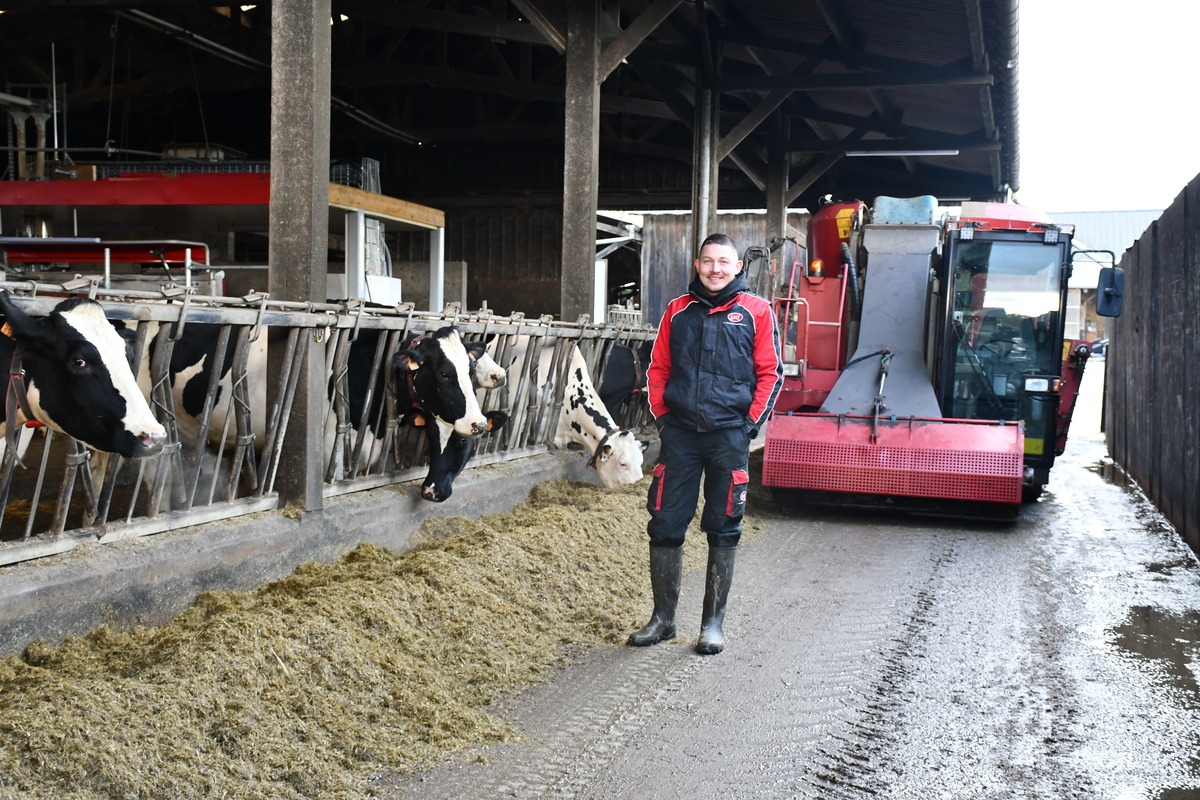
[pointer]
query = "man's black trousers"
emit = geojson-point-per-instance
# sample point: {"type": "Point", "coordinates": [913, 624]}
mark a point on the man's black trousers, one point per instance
{"type": "Point", "coordinates": [721, 459]}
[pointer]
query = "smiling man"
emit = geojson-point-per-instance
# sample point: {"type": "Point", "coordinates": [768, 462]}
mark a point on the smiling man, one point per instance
{"type": "Point", "coordinates": [714, 374]}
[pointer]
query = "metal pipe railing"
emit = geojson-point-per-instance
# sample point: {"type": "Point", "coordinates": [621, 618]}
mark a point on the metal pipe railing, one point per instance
{"type": "Point", "coordinates": [222, 459]}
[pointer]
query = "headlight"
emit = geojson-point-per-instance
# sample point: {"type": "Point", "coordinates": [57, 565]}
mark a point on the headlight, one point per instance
{"type": "Point", "coordinates": [791, 370]}
{"type": "Point", "coordinates": [1043, 385]}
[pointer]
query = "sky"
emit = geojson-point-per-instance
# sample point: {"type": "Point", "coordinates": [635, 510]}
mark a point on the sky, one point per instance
{"type": "Point", "coordinates": [1109, 114]}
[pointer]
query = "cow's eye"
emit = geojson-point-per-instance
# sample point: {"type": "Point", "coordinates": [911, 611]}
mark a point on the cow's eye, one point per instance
{"type": "Point", "coordinates": [79, 362]}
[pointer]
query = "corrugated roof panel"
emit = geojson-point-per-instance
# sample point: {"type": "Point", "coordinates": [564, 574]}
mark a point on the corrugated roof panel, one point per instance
{"type": "Point", "coordinates": [1107, 230]}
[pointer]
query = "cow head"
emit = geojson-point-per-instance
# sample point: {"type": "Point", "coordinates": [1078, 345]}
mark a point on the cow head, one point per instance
{"type": "Point", "coordinates": [434, 374]}
{"type": "Point", "coordinates": [485, 372]}
{"type": "Point", "coordinates": [78, 379]}
{"type": "Point", "coordinates": [618, 459]}
{"type": "Point", "coordinates": [617, 454]}
{"type": "Point", "coordinates": [449, 452]}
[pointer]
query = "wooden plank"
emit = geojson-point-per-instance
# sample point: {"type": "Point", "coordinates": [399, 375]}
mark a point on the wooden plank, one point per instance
{"type": "Point", "coordinates": [1144, 363]}
{"type": "Point", "coordinates": [1188, 523]}
{"type": "Point", "coordinates": [382, 206]}
{"type": "Point", "coordinates": [1130, 355]}
{"type": "Point", "coordinates": [1116, 398]}
{"type": "Point", "coordinates": [1168, 369]}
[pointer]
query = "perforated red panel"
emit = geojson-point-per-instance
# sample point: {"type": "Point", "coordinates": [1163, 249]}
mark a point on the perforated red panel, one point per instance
{"type": "Point", "coordinates": [954, 460]}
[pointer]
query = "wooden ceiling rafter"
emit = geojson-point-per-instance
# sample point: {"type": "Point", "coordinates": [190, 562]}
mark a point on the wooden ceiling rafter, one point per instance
{"type": "Point", "coordinates": [813, 71]}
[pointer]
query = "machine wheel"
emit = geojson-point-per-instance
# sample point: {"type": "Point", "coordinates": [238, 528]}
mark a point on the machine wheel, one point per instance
{"type": "Point", "coordinates": [1030, 494]}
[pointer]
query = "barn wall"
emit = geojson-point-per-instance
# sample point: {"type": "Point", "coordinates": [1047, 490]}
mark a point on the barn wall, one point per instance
{"type": "Point", "coordinates": [667, 252]}
{"type": "Point", "coordinates": [1153, 381]}
{"type": "Point", "coordinates": [513, 256]}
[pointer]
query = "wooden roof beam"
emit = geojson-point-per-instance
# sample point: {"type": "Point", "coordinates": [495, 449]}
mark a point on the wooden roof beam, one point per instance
{"type": "Point", "coordinates": [933, 142]}
{"type": "Point", "coordinates": [750, 122]}
{"type": "Point", "coordinates": [549, 30]}
{"type": "Point", "coordinates": [397, 15]}
{"type": "Point", "coordinates": [858, 80]}
{"type": "Point", "coordinates": [980, 63]}
{"type": "Point", "coordinates": [819, 168]}
{"type": "Point", "coordinates": [629, 39]}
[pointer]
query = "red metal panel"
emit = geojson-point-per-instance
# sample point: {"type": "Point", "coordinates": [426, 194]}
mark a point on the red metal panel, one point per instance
{"type": "Point", "coordinates": [827, 229]}
{"type": "Point", "coordinates": [56, 251]}
{"type": "Point", "coordinates": [823, 317]}
{"type": "Point", "coordinates": [807, 391]}
{"type": "Point", "coordinates": [823, 310]}
{"type": "Point", "coordinates": [220, 189]}
{"type": "Point", "coordinates": [1076, 353]}
{"type": "Point", "coordinates": [953, 459]}
{"type": "Point", "coordinates": [1004, 215]}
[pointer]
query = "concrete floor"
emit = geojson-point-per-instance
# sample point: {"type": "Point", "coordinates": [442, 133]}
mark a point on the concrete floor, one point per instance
{"type": "Point", "coordinates": [880, 656]}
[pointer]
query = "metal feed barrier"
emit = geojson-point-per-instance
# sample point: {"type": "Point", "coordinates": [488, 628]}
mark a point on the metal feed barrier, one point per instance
{"type": "Point", "coordinates": [222, 460]}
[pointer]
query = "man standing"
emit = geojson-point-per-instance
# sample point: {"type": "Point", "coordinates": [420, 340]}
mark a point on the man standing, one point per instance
{"type": "Point", "coordinates": [714, 374]}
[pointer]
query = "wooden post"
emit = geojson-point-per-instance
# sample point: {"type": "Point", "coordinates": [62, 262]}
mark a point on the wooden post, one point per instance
{"type": "Point", "coordinates": [299, 223]}
{"type": "Point", "coordinates": [581, 154]}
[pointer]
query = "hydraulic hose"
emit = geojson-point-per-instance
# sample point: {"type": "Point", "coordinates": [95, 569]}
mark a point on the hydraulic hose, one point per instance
{"type": "Point", "coordinates": [852, 277]}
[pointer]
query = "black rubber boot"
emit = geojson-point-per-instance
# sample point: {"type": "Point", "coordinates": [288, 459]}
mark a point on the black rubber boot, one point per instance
{"type": "Point", "coordinates": [666, 572]}
{"type": "Point", "coordinates": [716, 592]}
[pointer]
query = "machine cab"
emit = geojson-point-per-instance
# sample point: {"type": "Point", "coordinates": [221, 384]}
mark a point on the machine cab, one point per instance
{"type": "Point", "coordinates": [1005, 284]}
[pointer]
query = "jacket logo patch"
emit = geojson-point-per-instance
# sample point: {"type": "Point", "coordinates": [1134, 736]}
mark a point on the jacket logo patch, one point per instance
{"type": "Point", "coordinates": [735, 317]}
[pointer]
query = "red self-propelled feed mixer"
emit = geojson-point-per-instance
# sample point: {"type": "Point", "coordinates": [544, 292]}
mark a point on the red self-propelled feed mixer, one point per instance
{"type": "Point", "coordinates": [924, 355]}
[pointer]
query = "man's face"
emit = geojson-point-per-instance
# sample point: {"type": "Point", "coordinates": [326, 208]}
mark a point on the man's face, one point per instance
{"type": "Point", "coordinates": [717, 265]}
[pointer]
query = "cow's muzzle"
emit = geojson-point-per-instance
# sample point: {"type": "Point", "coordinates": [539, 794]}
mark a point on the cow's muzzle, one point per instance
{"type": "Point", "coordinates": [431, 492]}
{"type": "Point", "coordinates": [147, 443]}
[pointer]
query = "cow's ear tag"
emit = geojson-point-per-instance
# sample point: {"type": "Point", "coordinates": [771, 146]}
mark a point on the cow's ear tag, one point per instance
{"type": "Point", "coordinates": [414, 418]}
{"type": "Point", "coordinates": [413, 365]}
{"type": "Point", "coordinates": [7, 330]}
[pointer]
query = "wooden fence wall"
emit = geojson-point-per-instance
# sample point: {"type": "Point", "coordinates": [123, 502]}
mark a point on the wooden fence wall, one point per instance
{"type": "Point", "coordinates": [667, 254]}
{"type": "Point", "coordinates": [1152, 413]}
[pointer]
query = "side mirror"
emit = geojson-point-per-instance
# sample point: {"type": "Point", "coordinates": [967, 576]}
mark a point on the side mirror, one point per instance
{"type": "Point", "coordinates": [1110, 292]}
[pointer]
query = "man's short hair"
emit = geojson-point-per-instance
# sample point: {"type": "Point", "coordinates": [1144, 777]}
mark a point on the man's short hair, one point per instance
{"type": "Point", "coordinates": [719, 239]}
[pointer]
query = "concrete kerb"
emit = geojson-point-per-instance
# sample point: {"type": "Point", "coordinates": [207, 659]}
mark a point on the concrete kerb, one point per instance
{"type": "Point", "coordinates": [148, 580]}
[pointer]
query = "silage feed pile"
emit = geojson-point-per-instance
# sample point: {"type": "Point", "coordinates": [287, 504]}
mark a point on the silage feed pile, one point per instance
{"type": "Point", "coordinates": [302, 688]}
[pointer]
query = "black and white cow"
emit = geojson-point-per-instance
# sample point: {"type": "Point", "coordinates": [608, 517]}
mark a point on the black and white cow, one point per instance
{"type": "Point", "coordinates": [448, 374]}
{"type": "Point", "coordinates": [617, 454]}
{"type": "Point", "coordinates": [432, 380]}
{"type": "Point", "coordinates": [482, 371]}
{"type": "Point", "coordinates": [190, 374]}
{"type": "Point", "coordinates": [583, 421]}
{"type": "Point", "coordinates": [448, 460]}
{"type": "Point", "coordinates": [485, 372]}
{"type": "Point", "coordinates": [70, 372]}
{"type": "Point", "coordinates": [187, 374]}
